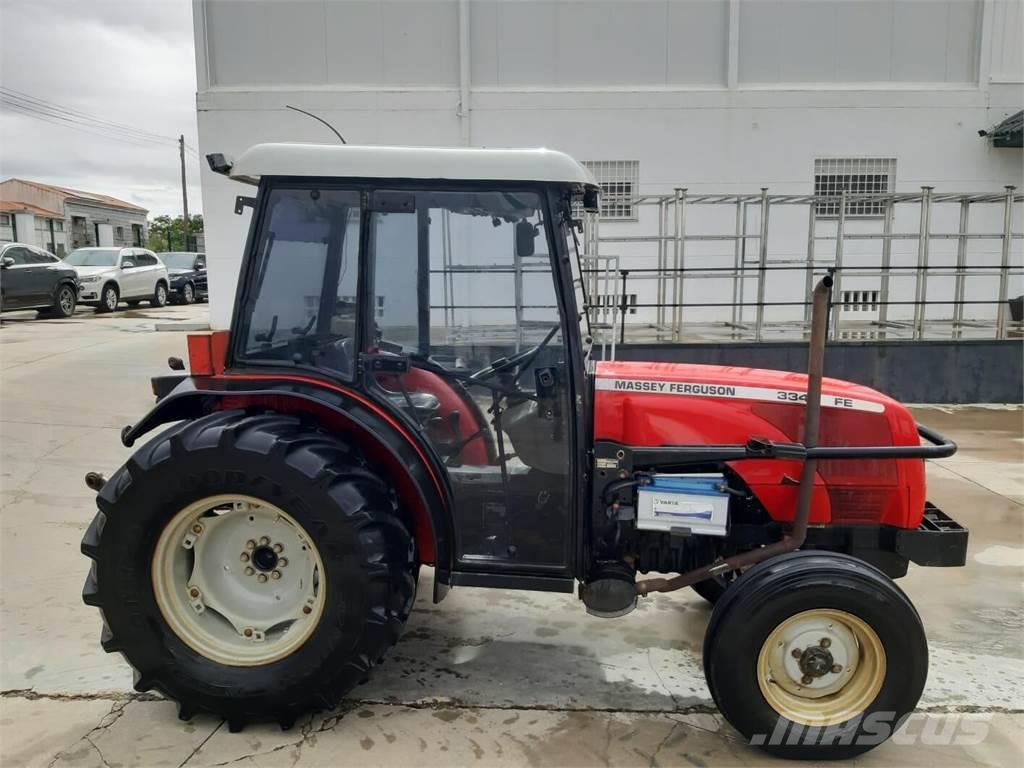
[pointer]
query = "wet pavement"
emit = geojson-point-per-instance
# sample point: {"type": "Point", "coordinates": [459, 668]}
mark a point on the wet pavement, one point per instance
{"type": "Point", "coordinates": [488, 677]}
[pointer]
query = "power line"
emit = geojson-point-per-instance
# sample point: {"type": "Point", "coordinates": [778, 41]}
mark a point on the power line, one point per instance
{"type": "Point", "coordinates": [63, 122]}
{"type": "Point", "coordinates": [57, 117]}
{"type": "Point", "coordinates": [55, 109]}
{"type": "Point", "coordinates": [67, 117]}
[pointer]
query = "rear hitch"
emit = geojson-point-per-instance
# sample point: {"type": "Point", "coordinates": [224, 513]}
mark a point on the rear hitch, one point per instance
{"type": "Point", "coordinates": [95, 481]}
{"type": "Point", "coordinates": [795, 538]}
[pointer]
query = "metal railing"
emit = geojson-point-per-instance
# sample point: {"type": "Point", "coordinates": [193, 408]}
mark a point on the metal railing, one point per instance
{"type": "Point", "coordinates": [961, 279]}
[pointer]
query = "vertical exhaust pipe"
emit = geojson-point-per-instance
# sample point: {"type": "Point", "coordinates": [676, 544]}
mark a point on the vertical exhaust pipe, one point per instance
{"type": "Point", "coordinates": [812, 421]}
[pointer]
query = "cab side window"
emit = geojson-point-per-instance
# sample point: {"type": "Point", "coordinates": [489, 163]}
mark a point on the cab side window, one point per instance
{"type": "Point", "coordinates": [302, 304]}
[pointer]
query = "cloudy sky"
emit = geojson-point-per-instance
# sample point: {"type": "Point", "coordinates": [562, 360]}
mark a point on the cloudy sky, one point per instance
{"type": "Point", "coordinates": [128, 62]}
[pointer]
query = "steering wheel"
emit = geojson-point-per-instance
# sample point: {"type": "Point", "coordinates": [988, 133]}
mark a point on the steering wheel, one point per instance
{"type": "Point", "coordinates": [520, 361]}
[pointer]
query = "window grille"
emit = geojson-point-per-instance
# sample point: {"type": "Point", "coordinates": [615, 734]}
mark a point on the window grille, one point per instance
{"type": "Point", "coordinates": [868, 175]}
{"type": "Point", "coordinates": [860, 301]}
{"type": "Point", "coordinates": [619, 181]}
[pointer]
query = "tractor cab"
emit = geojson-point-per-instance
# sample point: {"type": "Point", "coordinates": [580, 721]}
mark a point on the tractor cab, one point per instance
{"type": "Point", "coordinates": [406, 382]}
{"type": "Point", "coordinates": [438, 284]}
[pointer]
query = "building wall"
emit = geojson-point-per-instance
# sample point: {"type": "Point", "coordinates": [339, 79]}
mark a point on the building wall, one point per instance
{"type": "Point", "coordinates": [84, 233]}
{"type": "Point", "coordinates": [15, 189]}
{"type": "Point", "coordinates": [719, 95]}
{"type": "Point", "coordinates": [50, 234]}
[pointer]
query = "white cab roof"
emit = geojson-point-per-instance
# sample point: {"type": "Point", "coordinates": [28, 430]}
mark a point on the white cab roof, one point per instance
{"type": "Point", "coordinates": [409, 163]}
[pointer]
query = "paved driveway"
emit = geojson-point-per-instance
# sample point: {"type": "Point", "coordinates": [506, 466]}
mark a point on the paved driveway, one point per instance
{"type": "Point", "coordinates": [484, 678]}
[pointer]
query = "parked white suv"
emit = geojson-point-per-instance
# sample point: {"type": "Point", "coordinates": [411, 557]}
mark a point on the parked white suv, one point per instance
{"type": "Point", "coordinates": [110, 275]}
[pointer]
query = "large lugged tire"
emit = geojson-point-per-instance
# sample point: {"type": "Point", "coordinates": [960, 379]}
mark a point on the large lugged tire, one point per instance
{"type": "Point", "coordinates": [179, 530]}
{"type": "Point", "coordinates": [815, 655]}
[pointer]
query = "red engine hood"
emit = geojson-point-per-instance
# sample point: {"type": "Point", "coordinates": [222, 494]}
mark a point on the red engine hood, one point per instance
{"type": "Point", "coordinates": [734, 383]}
{"type": "Point", "coordinates": [650, 404]}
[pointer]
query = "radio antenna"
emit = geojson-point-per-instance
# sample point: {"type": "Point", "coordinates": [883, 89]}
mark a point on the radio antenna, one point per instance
{"type": "Point", "coordinates": [317, 117]}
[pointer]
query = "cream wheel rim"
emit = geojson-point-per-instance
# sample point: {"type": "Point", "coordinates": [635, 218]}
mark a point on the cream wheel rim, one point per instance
{"type": "Point", "coordinates": [238, 580]}
{"type": "Point", "coordinates": [821, 667]}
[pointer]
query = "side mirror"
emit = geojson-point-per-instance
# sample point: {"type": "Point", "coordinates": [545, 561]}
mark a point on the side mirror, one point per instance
{"type": "Point", "coordinates": [7, 262]}
{"type": "Point", "coordinates": [200, 266]}
{"type": "Point", "coordinates": [127, 264]}
{"type": "Point", "coordinates": [526, 236]}
{"type": "Point", "coordinates": [590, 200]}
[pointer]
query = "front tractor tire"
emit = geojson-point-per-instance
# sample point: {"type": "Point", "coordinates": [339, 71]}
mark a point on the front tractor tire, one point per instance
{"type": "Point", "coordinates": [815, 655]}
{"type": "Point", "coordinates": [250, 566]}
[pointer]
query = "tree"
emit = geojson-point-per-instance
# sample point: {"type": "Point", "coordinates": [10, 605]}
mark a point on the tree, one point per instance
{"type": "Point", "coordinates": [167, 234]}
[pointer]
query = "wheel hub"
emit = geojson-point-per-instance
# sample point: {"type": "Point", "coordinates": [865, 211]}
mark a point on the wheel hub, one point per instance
{"type": "Point", "coordinates": [821, 666]}
{"type": "Point", "coordinates": [238, 580]}
{"type": "Point", "coordinates": [264, 558]}
{"type": "Point", "coordinates": [815, 661]}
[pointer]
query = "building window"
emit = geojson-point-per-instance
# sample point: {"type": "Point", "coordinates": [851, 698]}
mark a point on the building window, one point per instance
{"type": "Point", "coordinates": [860, 301]}
{"type": "Point", "coordinates": [119, 233]}
{"type": "Point", "coordinates": [611, 301]}
{"type": "Point", "coordinates": [855, 176]}
{"type": "Point", "coordinates": [58, 226]}
{"type": "Point", "coordinates": [619, 181]}
{"type": "Point", "coordinates": [5, 219]}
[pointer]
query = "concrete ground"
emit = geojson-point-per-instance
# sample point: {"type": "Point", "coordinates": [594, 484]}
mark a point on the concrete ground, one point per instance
{"type": "Point", "coordinates": [486, 677]}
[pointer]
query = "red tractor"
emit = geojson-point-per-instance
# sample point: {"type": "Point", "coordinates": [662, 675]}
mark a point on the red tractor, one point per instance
{"type": "Point", "coordinates": [406, 382]}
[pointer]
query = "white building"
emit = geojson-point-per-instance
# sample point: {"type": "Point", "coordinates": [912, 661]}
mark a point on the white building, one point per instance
{"type": "Point", "coordinates": [60, 219]}
{"type": "Point", "coordinates": [721, 96]}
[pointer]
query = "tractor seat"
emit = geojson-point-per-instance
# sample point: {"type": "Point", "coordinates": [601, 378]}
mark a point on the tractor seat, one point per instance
{"type": "Point", "coordinates": [424, 404]}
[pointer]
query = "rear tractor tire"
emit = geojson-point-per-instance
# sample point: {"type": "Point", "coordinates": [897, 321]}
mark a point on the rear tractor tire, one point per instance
{"type": "Point", "coordinates": [815, 655]}
{"type": "Point", "coordinates": [250, 566]}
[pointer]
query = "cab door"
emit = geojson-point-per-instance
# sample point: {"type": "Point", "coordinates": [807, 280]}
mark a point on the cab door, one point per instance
{"type": "Point", "coordinates": [460, 286]}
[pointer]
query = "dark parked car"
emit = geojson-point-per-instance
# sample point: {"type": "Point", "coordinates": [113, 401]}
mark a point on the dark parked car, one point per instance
{"type": "Point", "coordinates": [31, 278]}
{"type": "Point", "coordinates": [187, 272]}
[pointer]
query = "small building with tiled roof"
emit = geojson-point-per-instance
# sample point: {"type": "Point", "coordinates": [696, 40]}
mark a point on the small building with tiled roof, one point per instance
{"type": "Point", "coordinates": [61, 219]}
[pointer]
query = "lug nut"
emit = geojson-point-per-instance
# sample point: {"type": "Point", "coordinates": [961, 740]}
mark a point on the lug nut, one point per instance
{"type": "Point", "coordinates": [264, 540]}
{"type": "Point", "coordinates": [837, 668]}
{"type": "Point", "coordinates": [282, 563]}
{"type": "Point", "coordinates": [249, 571]}
{"type": "Point", "coordinates": [244, 557]}
{"type": "Point", "coordinates": [807, 680]}
{"type": "Point", "coordinates": [825, 642]}
{"type": "Point", "coordinates": [250, 544]}
{"type": "Point", "coordinates": [796, 653]}
{"type": "Point", "coordinates": [261, 578]}
{"type": "Point", "coordinates": [193, 592]}
{"type": "Point", "coordinates": [197, 528]}
{"type": "Point", "coordinates": [247, 632]}
{"type": "Point", "coordinates": [307, 610]}
{"type": "Point", "coordinates": [275, 575]}
{"type": "Point", "coordinates": [279, 548]}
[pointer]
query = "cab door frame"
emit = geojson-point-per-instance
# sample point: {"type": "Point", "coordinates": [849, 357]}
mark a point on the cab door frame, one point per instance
{"type": "Point", "coordinates": [554, 577]}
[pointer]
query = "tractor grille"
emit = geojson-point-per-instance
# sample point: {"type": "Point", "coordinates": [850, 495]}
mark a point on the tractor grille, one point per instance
{"type": "Point", "coordinates": [860, 490]}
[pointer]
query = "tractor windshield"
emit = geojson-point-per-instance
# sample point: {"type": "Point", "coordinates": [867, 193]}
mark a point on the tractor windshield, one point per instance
{"type": "Point", "coordinates": [303, 295]}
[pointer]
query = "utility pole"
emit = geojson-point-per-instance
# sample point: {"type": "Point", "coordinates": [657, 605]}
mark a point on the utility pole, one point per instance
{"type": "Point", "coordinates": [184, 190]}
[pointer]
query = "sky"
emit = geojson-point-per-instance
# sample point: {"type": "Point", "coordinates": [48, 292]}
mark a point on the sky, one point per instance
{"type": "Point", "coordinates": [129, 62]}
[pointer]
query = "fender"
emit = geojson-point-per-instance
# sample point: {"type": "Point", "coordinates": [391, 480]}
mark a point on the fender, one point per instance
{"type": "Point", "coordinates": [411, 466]}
